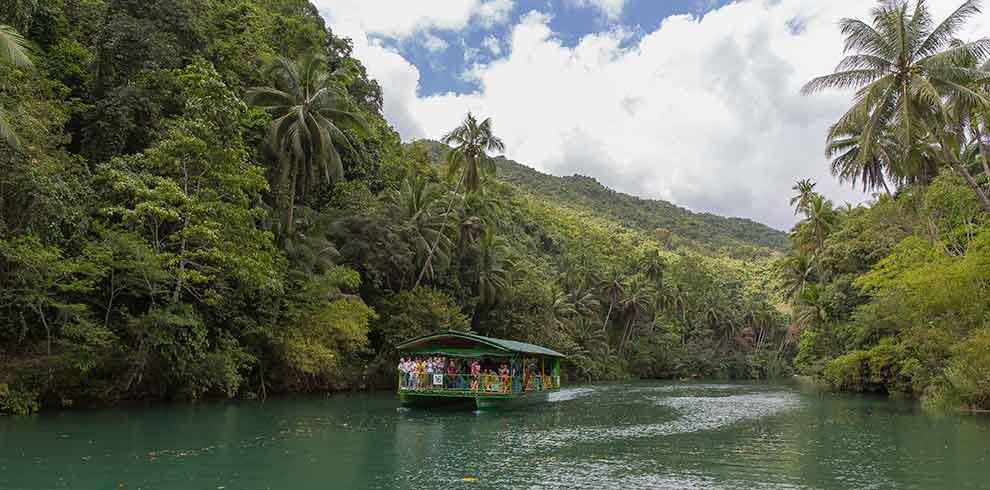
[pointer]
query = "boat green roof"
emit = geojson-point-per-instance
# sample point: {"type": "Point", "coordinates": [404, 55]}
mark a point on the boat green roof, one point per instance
{"type": "Point", "coordinates": [497, 344]}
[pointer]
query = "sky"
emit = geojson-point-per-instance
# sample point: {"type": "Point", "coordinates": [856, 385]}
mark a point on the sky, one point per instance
{"type": "Point", "coordinates": [696, 102]}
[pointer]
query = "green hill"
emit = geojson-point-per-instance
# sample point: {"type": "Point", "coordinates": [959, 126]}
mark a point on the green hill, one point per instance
{"type": "Point", "coordinates": [675, 227]}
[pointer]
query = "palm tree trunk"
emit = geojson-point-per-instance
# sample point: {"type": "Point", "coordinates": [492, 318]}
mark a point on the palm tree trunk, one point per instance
{"type": "Point", "coordinates": [885, 188]}
{"type": "Point", "coordinates": [983, 156]}
{"type": "Point", "coordinates": [608, 315]}
{"type": "Point", "coordinates": [961, 170]}
{"type": "Point", "coordinates": [436, 243]}
{"type": "Point", "coordinates": [290, 212]}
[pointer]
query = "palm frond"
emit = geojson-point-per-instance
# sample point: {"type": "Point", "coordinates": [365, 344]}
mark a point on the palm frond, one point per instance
{"type": "Point", "coordinates": [946, 31]}
{"type": "Point", "coordinates": [14, 48]}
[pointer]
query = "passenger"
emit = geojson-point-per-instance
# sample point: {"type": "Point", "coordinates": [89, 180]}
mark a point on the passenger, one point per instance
{"type": "Point", "coordinates": [475, 374]}
{"type": "Point", "coordinates": [503, 374]}
{"type": "Point", "coordinates": [430, 369]}
{"type": "Point", "coordinates": [418, 373]}
{"type": "Point", "coordinates": [403, 375]}
{"type": "Point", "coordinates": [452, 374]}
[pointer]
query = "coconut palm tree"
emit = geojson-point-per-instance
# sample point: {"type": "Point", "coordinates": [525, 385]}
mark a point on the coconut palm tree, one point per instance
{"type": "Point", "coordinates": [812, 307]}
{"type": "Point", "coordinates": [904, 67]}
{"type": "Point", "coordinates": [804, 188]}
{"type": "Point", "coordinates": [416, 202]}
{"type": "Point", "coordinates": [821, 219]}
{"type": "Point", "coordinates": [14, 49]}
{"type": "Point", "coordinates": [795, 273]}
{"type": "Point", "coordinates": [612, 286]}
{"type": "Point", "coordinates": [492, 277]}
{"type": "Point", "coordinates": [468, 159]}
{"type": "Point", "coordinates": [636, 302]}
{"type": "Point", "coordinates": [310, 111]}
{"type": "Point", "coordinates": [652, 264]}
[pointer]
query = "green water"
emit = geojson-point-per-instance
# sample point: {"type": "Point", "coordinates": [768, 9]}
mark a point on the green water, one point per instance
{"type": "Point", "coordinates": [628, 436]}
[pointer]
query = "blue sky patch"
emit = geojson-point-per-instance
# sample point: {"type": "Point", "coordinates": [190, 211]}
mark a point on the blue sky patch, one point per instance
{"type": "Point", "coordinates": [443, 57]}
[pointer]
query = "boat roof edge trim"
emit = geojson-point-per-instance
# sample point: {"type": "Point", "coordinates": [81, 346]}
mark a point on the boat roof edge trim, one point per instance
{"type": "Point", "coordinates": [501, 344]}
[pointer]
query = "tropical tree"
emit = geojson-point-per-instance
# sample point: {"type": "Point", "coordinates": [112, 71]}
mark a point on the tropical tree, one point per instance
{"type": "Point", "coordinates": [843, 148]}
{"type": "Point", "coordinates": [812, 307]}
{"type": "Point", "coordinates": [810, 234]}
{"type": "Point", "coordinates": [468, 158]}
{"type": "Point", "coordinates": [612, 286]}
{"type": "Point", "coordinates": [795, 272]}
{"type": "Point", "coordinates": [471, 142]}
{"type": "Point", "coordinates": [14, 49]}
{"type": "Point", "coordinates": [492, 277]}
{"type": "Point", "coordinates": [636, 301]}
{"type": "Point", "coordinates": [804, 188]}
{"type": "Point", "coordinates": [905, 67]}
{"type": "Point", "coordinates": [416, 202]}
{"type": "Point", "coordinates": [310, 110]}
{"type": "Point", "coordinates": [652, 264]}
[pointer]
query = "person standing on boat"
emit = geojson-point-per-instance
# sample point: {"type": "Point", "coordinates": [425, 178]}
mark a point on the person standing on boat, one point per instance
{"type": "Point", "coordinates": [503, 374]}
{"type": "Point", "coordinates": [475, 374]}
{"type": "Point", "coordinates": [418, 373]}
{"type": "Point", "coordinates": [452, 381]}
{"type": "Point", "coordinates": [403, 376]}
{"type": "Point", "coordinates": [514, 372]}
{"type": "Point", "coordinates": [428, 382]}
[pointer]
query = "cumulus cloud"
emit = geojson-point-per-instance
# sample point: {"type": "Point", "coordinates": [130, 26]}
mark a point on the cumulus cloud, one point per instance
{"type": "Point", "coordinates": [433, 43]}
{"type": "Point", "coordinates": [612, 9]}
{"type": "Point", "coordinates": [494, 12]}
{"type": "Point", "coordinates": [492, 45]}
{"type": "Point", "coordinates": [399, 19]}
{"type": "Point", "coordinates": [704, 111]}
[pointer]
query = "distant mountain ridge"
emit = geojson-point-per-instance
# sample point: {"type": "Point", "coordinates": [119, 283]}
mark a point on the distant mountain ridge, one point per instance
{"type": "Point", "coordinates": [673, 225]}
{"type": "Point", "coordinates": [650, 214]}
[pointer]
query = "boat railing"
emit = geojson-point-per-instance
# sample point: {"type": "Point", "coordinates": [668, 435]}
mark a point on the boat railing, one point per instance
{"type": "Point", "coordinates": [475, 383]}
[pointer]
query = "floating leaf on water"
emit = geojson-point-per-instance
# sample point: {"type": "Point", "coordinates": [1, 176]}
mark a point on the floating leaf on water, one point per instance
{"type": "Point", "coordinates": [469, 478]}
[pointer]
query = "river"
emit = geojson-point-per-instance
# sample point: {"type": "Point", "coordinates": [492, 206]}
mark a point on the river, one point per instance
{"type": "Point", "coordinates": [615, 436]}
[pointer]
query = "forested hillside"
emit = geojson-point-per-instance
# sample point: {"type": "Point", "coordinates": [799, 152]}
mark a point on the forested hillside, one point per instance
{"type": "Point", "coordinates": [202, 199]}
{"type": "Point", "coordinates": [676, 227]}
{"type": "Point", "coordinates": [894, 297]}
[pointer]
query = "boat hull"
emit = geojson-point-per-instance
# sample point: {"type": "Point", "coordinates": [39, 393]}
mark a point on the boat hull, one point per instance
{"type": "Point", "coordinates": [479, 402]}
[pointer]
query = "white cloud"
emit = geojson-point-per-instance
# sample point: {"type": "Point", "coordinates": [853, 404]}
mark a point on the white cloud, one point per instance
{"type": "Point", "coordinates": [494, 12]}
{"type": "Point", "coordinates": [492, 45]}
{"type": "Point", "coordinates": [401, 18]}
{"type": "Point", "coordinates": [433, 43]}
{"type": "Point", "coordinates": [612, 9]}
{"type": "Point", "coordinates": [704, 112]}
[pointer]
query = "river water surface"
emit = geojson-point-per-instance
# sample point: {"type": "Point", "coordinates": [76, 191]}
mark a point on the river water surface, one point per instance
{"type": "Point", "coordinates": [617, 436]}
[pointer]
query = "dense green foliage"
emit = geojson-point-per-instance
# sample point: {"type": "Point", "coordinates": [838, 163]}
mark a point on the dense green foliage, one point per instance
{"type": "Point", "coordinates": [893, 297]}
{"type": "Point", "coordinates": [675, 227]}
{"type": "Point", "coordinates": [202, 198]}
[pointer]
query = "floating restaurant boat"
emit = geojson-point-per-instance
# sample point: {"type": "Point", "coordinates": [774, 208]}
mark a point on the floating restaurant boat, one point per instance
{"type": "Point", "coordinates": [487, 372]}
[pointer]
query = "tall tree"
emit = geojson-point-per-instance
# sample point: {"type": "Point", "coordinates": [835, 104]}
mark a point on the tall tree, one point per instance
{"type": "Point", "coordinates": [904, 67]}
{"type": "Point", "coordinates": [14, 49]}
{"type": "Point", "coordinates": [805, 188]}
{"type": "Point", "coordinates": [310, 109]}
{"type": "Point", "coordinates": [821, 218]}
{"type": "Point", "coordinates": [636, 301]}
{"type": "Point", "coordinates": [467, 160]}
{"type": "Point", "coordinates": [612, 286]}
